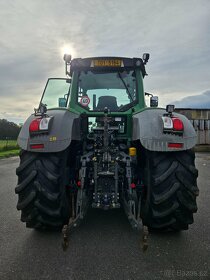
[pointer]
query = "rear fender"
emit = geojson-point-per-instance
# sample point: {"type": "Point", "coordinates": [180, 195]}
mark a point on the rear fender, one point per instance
{"type": "Point", "coordinates": [65, 128]}
{"type": "Point", "coordinates": [148, 128]}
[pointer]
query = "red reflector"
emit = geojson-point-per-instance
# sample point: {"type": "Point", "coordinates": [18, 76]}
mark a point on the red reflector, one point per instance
{"type": "Point", "coordinates": [37, 146]}
{"type": "Point", "coordinates": [175, 145]}
{"type": "Point", "coordinates": [34, 125]}
{"type": "Point", "coordinates": [79, 184]}
{"type": "Point", "coordinates": [132, 185]}
{"type": "Point", "coordinates": [177, 124]}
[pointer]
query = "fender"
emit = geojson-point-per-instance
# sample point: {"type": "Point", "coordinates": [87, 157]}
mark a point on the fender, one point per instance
{"type": "Point", "coordinates": [148, 128]}
{"type": "Point", "coordinates": [65, 128]}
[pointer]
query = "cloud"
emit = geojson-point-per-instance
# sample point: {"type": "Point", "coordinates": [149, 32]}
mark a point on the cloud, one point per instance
{"type": "Point", "coordinates": [32, 34]}
{"type": "Point", "coordinates": [201, 101]}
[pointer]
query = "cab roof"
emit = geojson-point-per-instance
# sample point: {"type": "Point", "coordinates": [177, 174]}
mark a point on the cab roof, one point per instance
{"type": "Point", "coordinates": [107, 63]}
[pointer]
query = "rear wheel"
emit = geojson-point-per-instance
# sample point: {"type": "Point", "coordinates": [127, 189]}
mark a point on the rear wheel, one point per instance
{"type": "Point", "coordinates": [171, 186]}
{"type": "Point", "coordinates": [42, 196]}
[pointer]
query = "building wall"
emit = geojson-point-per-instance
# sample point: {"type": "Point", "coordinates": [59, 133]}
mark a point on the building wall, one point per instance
{"type": "Point", "coordinates": [200, 118]}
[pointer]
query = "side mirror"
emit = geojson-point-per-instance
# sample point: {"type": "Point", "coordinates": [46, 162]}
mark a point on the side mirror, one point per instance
{"type": "Point", "coordinates": [62, 102]}
{"type": "Point", "coordinates": [154, 101]}
{"type": "Point", "coordinates": [145, 57]}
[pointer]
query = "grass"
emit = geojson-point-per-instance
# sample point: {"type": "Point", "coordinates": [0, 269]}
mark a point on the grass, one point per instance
{"type": "Point", "coordinates": [6, 145]}
{"type": "Point", "coordinates": [10, 153]}
{"type": "Point", "coordinates": [8, 148]}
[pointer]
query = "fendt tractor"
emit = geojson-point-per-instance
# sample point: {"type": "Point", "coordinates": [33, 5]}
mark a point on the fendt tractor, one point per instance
{"type": "Point", "coordinates": [93, 142]}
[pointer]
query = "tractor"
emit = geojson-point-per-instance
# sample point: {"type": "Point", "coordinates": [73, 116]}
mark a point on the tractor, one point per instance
{"type": "Point", "coordinates": [94, 143]}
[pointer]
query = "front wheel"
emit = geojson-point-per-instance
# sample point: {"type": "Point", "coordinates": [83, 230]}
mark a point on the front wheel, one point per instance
{"type": "Point", "coordinates": [42, 196]}
{"type": "Point", "coordinates": [171, 190]}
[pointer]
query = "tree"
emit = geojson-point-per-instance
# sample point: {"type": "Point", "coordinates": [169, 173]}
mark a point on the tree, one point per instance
{"type": "Point", "coordinates": [8, 130]}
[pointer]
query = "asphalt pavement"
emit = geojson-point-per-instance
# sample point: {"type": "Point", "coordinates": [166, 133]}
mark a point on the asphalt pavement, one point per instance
{"type": "Point", "coordinates": [104, 246]}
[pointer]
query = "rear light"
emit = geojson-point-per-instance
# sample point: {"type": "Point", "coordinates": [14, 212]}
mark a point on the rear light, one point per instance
{"type": "Point", "coordinates": [79, 184]}
{"type": "Point", "coordinates": [177, 124]}
{"type": "Point", "coordinates": [34, 125]}
{"type": "Point", "coordinates": [44, 124]}
{"type": "Point", "coordinates": [175, 145]}
{"type": "Point", "coordinates": [39, 125]}
{"type": "Point", "coordinates": [37, 146]}
{"type": "Point", "coordinates": [172, 125]}
{"type": "Point", "coordinates": [133, 185]}
{"type": "Point", "coordinates": [167, 123]}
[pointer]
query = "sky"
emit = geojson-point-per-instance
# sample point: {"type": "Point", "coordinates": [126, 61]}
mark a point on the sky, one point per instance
{"type": "Point", "coordinates": [35, 34]}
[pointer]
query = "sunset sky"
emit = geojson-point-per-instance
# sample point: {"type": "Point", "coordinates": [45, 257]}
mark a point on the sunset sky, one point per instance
{"type": "Point", "coordinates": [34, 35]}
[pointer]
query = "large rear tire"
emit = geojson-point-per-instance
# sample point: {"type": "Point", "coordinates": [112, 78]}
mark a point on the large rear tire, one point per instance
{"type": "Point", "coordinates": [171, 190]}
{"type": "Point", "coordinates": [42, 196]}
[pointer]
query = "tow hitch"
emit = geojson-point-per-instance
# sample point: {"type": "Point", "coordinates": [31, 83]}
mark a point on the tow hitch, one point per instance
{"type": "Point", "coordinates": [72, 224]}
{"type": "Point", "coordinates": [76, 219]}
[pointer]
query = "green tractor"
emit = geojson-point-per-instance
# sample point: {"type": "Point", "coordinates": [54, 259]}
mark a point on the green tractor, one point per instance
{"type": "Point", "coordinates": [93, 142]}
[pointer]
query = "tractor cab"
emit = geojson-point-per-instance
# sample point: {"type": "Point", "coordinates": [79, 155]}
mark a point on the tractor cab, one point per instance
{"type": "Point", "coordinates": [114, 83]}
{"type": "Point", "coordinates": [94, 84]}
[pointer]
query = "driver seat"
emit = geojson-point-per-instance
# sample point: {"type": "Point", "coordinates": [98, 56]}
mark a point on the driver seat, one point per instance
{"type": "Point", "coordinates": [107, 101]}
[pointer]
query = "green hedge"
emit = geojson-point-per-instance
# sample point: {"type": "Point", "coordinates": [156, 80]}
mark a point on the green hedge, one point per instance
{"type": "Point", "coordinates": [8, 145]}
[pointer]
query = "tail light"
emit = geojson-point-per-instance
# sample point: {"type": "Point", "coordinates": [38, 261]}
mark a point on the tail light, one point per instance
{"type": "Point", "coordinates": [133, 185]}
{"type": "Point", "coordinates": [172, 125]}
{"type": "Point", "coordinates": [177, 124]}
{"type": "Point", "coordinates": [79, 184]}
{"type": "Point", "coordinates": [34, 125]}
{"type": "Point", "coordinates": [40, 125]}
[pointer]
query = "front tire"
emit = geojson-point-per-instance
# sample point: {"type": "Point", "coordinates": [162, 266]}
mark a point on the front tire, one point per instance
{"type": "Point", "coordinates": [171, 190]}
{"type": "Point", "coordinates": [42, 196]}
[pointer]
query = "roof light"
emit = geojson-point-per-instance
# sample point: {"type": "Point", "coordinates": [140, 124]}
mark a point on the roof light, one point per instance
{"type": "Point", "coordinates": [170, 108]}
{"type": "Point", "coordinates": [145, 57]}
{"type": "Point", "coordinates": [67, 58]}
